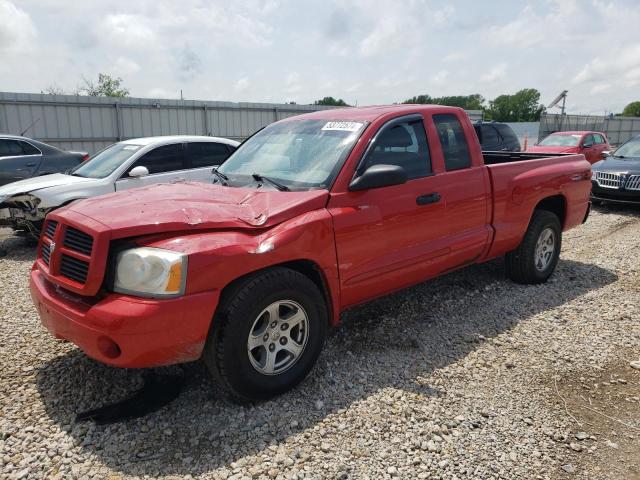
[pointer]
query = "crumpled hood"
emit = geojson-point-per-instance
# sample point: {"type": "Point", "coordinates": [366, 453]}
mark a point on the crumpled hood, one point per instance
{"type": "Point", "coordinates": [551, 149]}
{"type": "Point", "coordinates": [37, 183]}
{"type": "Point", "coordinates": [194, 206]}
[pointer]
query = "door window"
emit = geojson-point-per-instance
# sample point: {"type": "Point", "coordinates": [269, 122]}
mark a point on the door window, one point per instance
{"type": "Point", "coordinates": [454, 143]}
{"type": "Point", "coordinates": [206, 154]}
{"type": "Point", "coordinates": [162, 159]}
{"type": "Point", "coordinates": [10, 148]}
{"type": "Point", "coordinates": [588, 141]}
{"type": "Point", "coordinates": [402, 144]}
{"type": "Point", "coordinates": [598, 139]}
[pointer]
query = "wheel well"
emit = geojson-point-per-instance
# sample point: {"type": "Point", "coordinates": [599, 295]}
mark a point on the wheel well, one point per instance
{"type": "Point", "coordinates": [556, 205]}
{"type": "Point", "coordinates": [307, 268]}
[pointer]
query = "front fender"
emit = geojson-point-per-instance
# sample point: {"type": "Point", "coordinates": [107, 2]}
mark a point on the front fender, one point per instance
{"type": "Point", "coordinates": [217, 258]}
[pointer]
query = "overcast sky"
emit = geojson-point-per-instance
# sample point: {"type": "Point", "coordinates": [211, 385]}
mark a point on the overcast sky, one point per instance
{"type": "Point", "coordinates": [365, 51]}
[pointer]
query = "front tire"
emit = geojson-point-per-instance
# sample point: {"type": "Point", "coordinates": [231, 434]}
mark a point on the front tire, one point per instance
{"type": "Point", "coordinates": [267, 335]}
{"type": "Point", "coordinates": [536, 257]}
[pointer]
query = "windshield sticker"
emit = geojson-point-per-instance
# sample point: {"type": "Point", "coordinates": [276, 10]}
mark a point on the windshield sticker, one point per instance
{"type": "Point", "coordinates": [131, 147]}
{"type": "Point", "coordinates": [343, 126]}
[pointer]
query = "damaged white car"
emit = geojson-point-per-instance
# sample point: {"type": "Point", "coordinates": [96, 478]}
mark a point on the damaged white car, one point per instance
{"type": "Point", "coordinates": [129, 164]}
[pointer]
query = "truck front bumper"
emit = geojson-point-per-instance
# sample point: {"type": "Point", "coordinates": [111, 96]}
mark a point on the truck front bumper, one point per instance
{"type": "Point", "coordinates": [126, 331]}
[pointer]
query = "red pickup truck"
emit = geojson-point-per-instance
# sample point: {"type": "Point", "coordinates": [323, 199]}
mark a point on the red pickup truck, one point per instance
{"type": "Point", "coordinates": [309, 216]}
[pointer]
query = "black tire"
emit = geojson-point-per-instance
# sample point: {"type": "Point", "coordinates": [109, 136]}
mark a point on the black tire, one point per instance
{"type": "Point", "coordinates": [521, 263]}
{"type": "Point", "coordinates": [226, 353]}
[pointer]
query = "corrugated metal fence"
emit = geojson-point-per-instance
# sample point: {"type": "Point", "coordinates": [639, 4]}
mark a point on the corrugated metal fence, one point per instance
{"type": "Point", "coordinates": [618, 129]}
{"type": "Point", "coordinates": [91, 123]}
{"type": "Point", "coordinates": [74, 122]}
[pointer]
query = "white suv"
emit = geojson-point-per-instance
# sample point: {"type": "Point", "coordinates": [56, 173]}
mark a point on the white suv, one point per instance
{"type": "Point", "coordinates": [121, 166]}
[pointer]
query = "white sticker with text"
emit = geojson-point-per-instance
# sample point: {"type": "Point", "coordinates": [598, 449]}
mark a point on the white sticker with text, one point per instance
{"type": "Point", "coordinates": [343, 126]}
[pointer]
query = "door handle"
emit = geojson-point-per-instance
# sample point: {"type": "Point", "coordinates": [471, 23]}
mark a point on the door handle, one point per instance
{"type": "Point", "coordinates": [31, 164]}
{"type": "Point", "coordinates": [428, 198]}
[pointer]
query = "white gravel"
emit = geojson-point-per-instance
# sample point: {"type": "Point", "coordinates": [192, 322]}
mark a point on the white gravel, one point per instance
{"type": "Point", "coordinates": [467, 376]}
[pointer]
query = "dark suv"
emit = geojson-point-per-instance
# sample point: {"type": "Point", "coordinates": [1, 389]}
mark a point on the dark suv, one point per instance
{"type": "Point", "coordinates": [496, 137]}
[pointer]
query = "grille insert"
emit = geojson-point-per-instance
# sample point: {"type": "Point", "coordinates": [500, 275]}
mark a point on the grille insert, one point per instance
{"type": "Point", "coordinates": [609, 180]}
{"type": "Point", "coordinates": [78, 241]}
{"type": "Point", "coordinates": [51, 228]}
{"type": "Point", "coordinates": [633, 183]}
{"type": "Point", "coordinates": [73, 268]}
{"type": "Point", "coordinates": [45, 252]}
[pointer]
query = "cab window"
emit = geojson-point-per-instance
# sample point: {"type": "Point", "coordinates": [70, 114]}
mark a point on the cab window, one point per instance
{"type": "Point", "coordinates": [453, 141]}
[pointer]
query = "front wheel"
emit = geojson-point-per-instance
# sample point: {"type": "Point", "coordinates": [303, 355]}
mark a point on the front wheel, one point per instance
{"type": "Point", "coordinates": [267, 335]}
{"type": "Point", "coordinates": [536, 257]}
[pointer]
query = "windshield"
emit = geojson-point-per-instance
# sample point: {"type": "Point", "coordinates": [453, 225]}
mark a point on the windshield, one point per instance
{"type": "Point", "coordinates": [561, 141]}
{"type": "Point", "coordinates": [105, 162]}
{"type": "Point", "coordinates": [629, 149]}
{"type": "Point", "coordinates": [300, 154]}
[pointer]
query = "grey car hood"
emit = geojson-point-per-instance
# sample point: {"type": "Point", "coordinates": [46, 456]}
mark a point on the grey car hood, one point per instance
{"type": "Point", "coordinates": [38, 183]}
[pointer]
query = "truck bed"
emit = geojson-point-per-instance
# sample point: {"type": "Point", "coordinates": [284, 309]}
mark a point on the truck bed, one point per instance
{"type": "Point", "coordinates": [519, 180]}
{"type": "Point", "coordinates": [493, 158]}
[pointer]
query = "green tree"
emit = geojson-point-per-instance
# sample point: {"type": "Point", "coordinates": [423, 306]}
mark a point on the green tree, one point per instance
{"type": "Point", "coordinates": [522, 106]}
{"type": "Point", "coordinates": [632, 110]}
{"type": "Point", "coordinates": [331, 101]}
{"type": "Point", "coordinates": [468, 102]}
{"type": "Point", "coordinates": [107, 86]}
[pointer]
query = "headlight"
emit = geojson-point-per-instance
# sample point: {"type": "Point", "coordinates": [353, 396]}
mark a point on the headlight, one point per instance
{"type": "Point", "coordinates": [150, 272]}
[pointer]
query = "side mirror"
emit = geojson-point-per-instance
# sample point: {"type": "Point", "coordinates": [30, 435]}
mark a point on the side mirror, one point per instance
{"type": "Point", "coordinates": [377, 176]}
{"type": "Point", "coordinates": [606, 153]}
{"type": "Point", "coordinates": [139, 171]}
{"type": "Point", "coordinates": [587, 145]}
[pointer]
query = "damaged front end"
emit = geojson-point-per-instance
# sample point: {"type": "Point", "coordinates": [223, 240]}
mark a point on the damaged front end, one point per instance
{"type": "Point", "coordinates": [23, 213]}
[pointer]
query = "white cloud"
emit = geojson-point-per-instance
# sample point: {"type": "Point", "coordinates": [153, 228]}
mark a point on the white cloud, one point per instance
{"type": "Point", "coordinates": [440, 78]}
{"type": "Point", "coordinates": [454, 57]}
{"type": "Point", "coordinates": [625, 64]}
{"type": "Point", "coordinates": [17, 31]}
{"type": "Point", "coordinates": [124, 66]}
{"type": "Point", "coordinates": [441, 17]}
{"type": "Point", "coordinates": [242, 85]}
{"type": "Point", "coordinates": [600, 88]}
{"type": "Point", "coordinates": [292, 83]}
{"type": "Point", "coordinates": [499, 72]}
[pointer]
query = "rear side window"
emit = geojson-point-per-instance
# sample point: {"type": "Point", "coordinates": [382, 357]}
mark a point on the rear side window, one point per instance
{"type": "Point", "coordinates": [454, 143]}
{"type": "Point", "coordinates": [207, 154]}
{"type": "Point", "coordinates": [489, 135]}
{"type": "Point", "coordinates": [507, 133]}
{"type": "Point", "coordinates": [162, 159]}
{"type": "Point", "coordinates": [29, 149]}
{"type": "Point", "coordinates": [405, 145]}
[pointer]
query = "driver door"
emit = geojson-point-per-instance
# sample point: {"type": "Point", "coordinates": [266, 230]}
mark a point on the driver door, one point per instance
{"type": "Point", "coordinates": [166, 164]}
{"type": "Point", "coordinates": [393, 236]}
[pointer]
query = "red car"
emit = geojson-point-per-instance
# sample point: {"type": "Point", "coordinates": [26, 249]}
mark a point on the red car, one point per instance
{"type": "Point", "coordinates": [313, 214]}
{"type": "Point", "coordinates": [590, 144]}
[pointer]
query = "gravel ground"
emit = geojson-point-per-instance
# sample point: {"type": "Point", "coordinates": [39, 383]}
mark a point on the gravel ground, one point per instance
{"type": "Point", "coordinates": [467, 376]}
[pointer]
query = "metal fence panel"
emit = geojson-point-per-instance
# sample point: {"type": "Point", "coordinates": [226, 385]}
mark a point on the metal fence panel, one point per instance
{"type": "Point", "coordinates": [74, 122]}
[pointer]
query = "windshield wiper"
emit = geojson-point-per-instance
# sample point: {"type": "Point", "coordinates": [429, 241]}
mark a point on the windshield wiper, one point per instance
{"type": "Point", "coordinates": [262, 178]}
{"type": "Point", "coordinates": [221, 175]}
{"type": "Point", "coordinates": [618, 156]}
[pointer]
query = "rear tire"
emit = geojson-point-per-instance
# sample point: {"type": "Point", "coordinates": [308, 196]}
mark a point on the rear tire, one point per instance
{"type": "Point", "coordinates": [266, 335]}
{"type": "Point", "coordinates": [536, 257]}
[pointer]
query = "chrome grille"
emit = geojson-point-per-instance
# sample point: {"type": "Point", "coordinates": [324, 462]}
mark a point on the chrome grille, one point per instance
{"type": "Point", "coordinates": [633, 183]}
{"type": "Point", "coordinates": [45, 252]}
{"type": "Point", "coordinates": [609, 180]}
{"type": "Point", "coordinates": [78, 241]}
{"type": "Point", "coordinates": [51, 228]}
{"type": "Point", "coordinates": [74, 269]}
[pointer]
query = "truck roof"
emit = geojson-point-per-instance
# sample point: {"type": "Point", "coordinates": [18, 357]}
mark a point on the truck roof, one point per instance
{"type": "Point", "coordinates": [366, 113]}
